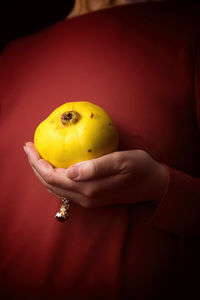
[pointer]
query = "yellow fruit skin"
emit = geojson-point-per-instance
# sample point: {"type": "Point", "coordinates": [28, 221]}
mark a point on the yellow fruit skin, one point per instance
{"type": "Point", "coordinates": [91, 136]}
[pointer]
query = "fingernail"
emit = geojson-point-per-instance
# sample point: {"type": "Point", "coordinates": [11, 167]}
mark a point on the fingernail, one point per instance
{"type": "Point", "coordinates": [73, 172]}
{"type": "Point", "coordinates": [25, 149]}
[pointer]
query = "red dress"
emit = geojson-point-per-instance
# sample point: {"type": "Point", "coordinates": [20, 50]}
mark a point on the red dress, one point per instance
{"type": "Point", "coordinates": [141, 64]}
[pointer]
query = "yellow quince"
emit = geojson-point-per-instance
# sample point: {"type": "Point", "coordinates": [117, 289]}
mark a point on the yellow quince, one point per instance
{"type": "Point", "coordinates": [74, 132]}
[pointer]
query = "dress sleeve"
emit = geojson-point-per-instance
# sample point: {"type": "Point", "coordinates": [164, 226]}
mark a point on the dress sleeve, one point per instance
{"type": "Point", "coordinates": [179, 210]}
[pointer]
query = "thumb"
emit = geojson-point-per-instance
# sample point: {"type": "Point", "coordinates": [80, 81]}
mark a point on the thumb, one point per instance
{"type": "Point", "coordinates": [103, 166]}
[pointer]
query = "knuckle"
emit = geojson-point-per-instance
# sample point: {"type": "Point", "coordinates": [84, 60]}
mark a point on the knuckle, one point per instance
{"type": "Point", "coordinates": [116, 156]}
{"type": "Point", "coordinates": [49, 178]}
{"type": "Point", "coordinates": [89, 196]}
{"type": "Point", "coordinates": [119, 157]}
{"type": "Point", "coordinates": [89, 192]}
{"type": "Point", "coordinates": [37, 164]}
{"type": "Point", "coordinates": [47, 175]}
{"type": "Point", "coordinates": [121, 161]}
{"type": "Point", "coordinates": [143, 154]}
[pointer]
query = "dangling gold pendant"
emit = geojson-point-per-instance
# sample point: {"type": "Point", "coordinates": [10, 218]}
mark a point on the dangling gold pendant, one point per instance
{"type": "Point", "coordinates": [63, 213]}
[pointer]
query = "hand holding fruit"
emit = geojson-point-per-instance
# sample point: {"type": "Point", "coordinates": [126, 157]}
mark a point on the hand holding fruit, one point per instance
{"type": "Point", "coordinates": [116, 178]}
{"type": "Point", "coordinates": [75, 157]}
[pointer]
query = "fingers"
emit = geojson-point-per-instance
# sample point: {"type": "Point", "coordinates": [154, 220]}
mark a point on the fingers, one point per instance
{"type": "Point", "coordinates": [44, 168]}
{"type": "Point", "coordinates": [96, 178]}
{"type": "Point", "coordinates": [104, 166]}
{"type": "Point", "coordinates": [47, 174]}
{"type": "Point", "coordinates": [101, 167]}
{"type": "Point", "coordinates": [53, 179]}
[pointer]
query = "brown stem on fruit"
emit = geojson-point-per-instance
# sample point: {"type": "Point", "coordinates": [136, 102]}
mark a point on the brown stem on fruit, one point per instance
{"type": "Point", "coordinates": [70, 117]}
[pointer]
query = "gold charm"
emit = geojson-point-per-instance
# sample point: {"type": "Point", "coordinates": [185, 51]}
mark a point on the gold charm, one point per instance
{"type": "Point", "coordinates": [63, 214]}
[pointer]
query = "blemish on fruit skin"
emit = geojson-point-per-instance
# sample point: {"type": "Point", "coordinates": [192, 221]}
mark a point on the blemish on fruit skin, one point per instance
{"type": "Point", "coordinates": [109, 123]}
{"type": "Point", "coordinates": [89, 150]}
{"type": "Point", "coordinates": [70, 117]}
{"type": "Point", "coordinates": [92, 115]}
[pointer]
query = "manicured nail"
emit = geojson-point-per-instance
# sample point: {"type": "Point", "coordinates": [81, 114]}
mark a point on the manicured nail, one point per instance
{"type": "Point", "coordinates": [73, 172]}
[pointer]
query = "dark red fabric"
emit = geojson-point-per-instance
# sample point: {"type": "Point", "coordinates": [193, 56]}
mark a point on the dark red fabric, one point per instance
{"type": "Point", "coordinates": [141, 64]}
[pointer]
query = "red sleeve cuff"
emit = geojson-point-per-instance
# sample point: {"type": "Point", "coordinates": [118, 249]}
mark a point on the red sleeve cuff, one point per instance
{"type": "Point", "coordinates": [179, 209]}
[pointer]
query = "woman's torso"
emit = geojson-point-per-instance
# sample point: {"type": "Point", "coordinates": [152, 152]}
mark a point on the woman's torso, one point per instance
{"type": "Point", "coordinates": [136, 65]}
